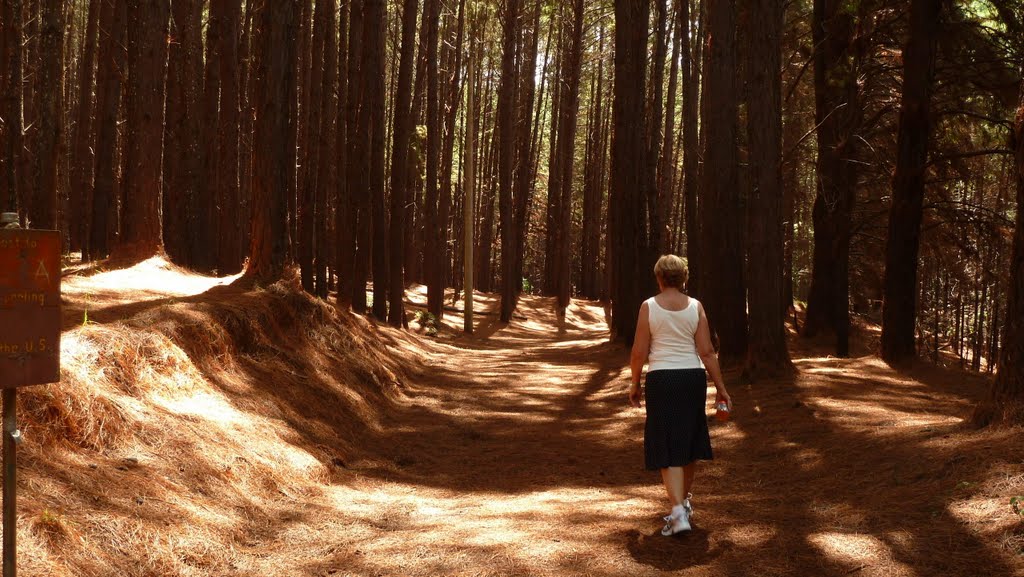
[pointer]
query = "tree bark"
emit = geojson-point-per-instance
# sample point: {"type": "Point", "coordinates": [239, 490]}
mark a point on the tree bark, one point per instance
{"type": "Point", "coordinates": [506, 152]}
{"type": "Point", "coordinates": [767, 355]}
{"type": "Point", "coordinates": [113, 57]}
{"type": "Point", "coordinates": [899, 308]}
{"type": "Point", "coordinates": [691, 147]}
{"type": "Point", "coordinates": [311, 49]}
{"type": "Point", "coordinates": [84, 161]}
{"type": "Point", "coordinates": [837, 115]}
{"type": "Point", "coordinates": [143, 182]}
{"type": "Point", "coordinates": [268, 251]}
{"type": "Point", "coordinates": [525, 171]}
{"type": "Point", "coordinates": [373, 75]}
{"type": "Point", "coordinates": [590, 251]}
{"type": "Point", "coordinates": [229, 240]}
{"type": "Point", "coordinates": [655, 194]}
{"type": "Point", "coordinates": [11, 59]}
{"type": "Point", "coordinates": [627, 220]}
{"type": "Point", "coordinates": [43, 208]}
{"type": "Point", "coordinates": [723, 287]}
{"type": "Point", "coordinates": [326, 169]}
{"type": "Point", "coordinates": [358, 158]}
{"type": "Point", "coordinates": [190, 243]}
{"type": "Point", "coordinates": [569, 103]}
{"type": "Point", "coordinates": [400, 163]}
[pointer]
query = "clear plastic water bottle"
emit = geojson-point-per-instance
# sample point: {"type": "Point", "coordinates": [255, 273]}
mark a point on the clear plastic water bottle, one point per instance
{"type": "Point", "coordinates": [721, 410]}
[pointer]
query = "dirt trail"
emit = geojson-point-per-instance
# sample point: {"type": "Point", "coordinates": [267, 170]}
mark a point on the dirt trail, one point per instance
{"type": "Point", "coordinates": [511, 453]}
{"type": "Point", "coordinates": [517, 455]}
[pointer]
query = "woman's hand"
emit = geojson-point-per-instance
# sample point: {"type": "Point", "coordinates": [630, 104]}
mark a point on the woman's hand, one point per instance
{"type": "Point", "coordinates": [723, 395]}
{"type": "Point", "coordinates": [634, 394]}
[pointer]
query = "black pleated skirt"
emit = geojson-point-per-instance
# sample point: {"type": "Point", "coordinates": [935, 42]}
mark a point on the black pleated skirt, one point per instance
{"type": "Point", "coordinates": [676, 433]}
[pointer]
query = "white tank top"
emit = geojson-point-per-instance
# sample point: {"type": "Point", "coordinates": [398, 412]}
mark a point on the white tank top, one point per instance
{"type": "Point", "coordinates": [673, 344]}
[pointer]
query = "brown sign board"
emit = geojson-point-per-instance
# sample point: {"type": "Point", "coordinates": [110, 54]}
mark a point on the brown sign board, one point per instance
{"type": "Point", "coordinates": [30, 316]}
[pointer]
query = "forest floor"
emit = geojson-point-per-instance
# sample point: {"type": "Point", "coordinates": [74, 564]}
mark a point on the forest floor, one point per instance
{"type": "Point", "coordinates": [509, 453]}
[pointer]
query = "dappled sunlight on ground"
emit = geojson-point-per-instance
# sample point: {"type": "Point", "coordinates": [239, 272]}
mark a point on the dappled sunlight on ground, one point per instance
{"type": "Point", "coordinates": [206, 429]}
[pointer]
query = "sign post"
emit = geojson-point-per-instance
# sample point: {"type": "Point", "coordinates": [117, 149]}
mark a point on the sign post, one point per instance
{"type": "Point", "coordinates": [30, 322]}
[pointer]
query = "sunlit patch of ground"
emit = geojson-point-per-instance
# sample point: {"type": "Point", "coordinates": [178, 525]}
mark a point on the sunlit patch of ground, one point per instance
{"type": "Point", "coordinates": [202, 429]}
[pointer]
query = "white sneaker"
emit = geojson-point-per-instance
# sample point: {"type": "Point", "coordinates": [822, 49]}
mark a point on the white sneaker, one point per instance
{"type": "Point", "coordinates": [677, 523]}
{"type": "Point", "coordinates": [688, 506]}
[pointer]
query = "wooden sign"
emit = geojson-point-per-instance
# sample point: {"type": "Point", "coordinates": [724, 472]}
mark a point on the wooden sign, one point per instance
{"type": "Point", "coordinates": [30, 316]}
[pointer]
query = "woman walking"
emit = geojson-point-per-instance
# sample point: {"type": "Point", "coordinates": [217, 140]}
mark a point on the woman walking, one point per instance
{"type": "Point", "coordinates": [673, 337]}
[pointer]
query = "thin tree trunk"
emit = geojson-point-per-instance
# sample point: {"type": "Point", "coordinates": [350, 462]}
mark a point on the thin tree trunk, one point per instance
{"type": "Point", "coordinates": [691, 79]}
{"type": "Point", "coordinates": [374, 74]}
{"type": "Point", "coordinates": [357, 165]}
{"type": "Point", "coordinates": [84, 161]}
{"type": "Point", "coordinates": [326, 170]}
{"type": "Point", "coordinates": [506, 151]}
{"type": "Point", "coordinates": [344, 216]}
{"type": "Point", "coordinates": [431, 261]}
{"type": "Point", "coordinates": [590, 252]}
{"type": "Point", "coordinates": [655, 194]}
{"type": "Point", "coordinates": [666, 164]}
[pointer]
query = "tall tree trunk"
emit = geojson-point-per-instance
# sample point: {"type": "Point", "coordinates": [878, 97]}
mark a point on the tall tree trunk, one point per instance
{"type": "Point", "coordinates": [344, 217]}
{"type": "Point", "coordinates": [113, 58]}
{"type": "Point", "coordinates": [837, 116]}
{"type": "Point", "coordinates": [767, 355]}
{"type": "Point", "coordinates": [229, 243]}
{"type": "Point", "coordinates": [431, 261]}
{"type": "Point", "coordinates": [691, 145]}
{"type": "Point", "coordinates": [12, 61]}
{"type": "Point", "coordinates": [506, 152]}
{"type": "Point", "coordinates": [358, 157]}
{"type": "Point", "coordinates": [43, 208]}
{"type": "Point", "coordinates": [400, 163]}
{"type": "Point", "coordinates": [268, 251]}
{"type": "Point", "coordinates": [189, 243]}
{"type": "Point", "coordinates": [374, 62]}
{"type": "Point", "coordinates": [147, 62]}
{"type": "Point", "coordinates": [326, 170]}
{"type": "Point", "coordinates": [567, 145]}
{"type": "Point", "coordinates": [723, 287]}
{"type": "Point", "coordinates": [899, 308]}
{"type": "Point", "coordinates": [525, 172]}
{"type": "Point", "coordinates": [311, 48]}
{"type": "Point", "coordinates": [590, 251]}
{"type": "Point", "coordinates": [655, 194]}
{"type": "Point", "coordinates": [627, 222]}
{"type": "Point", "coordinates": [84, 161]}
{"type": "Point", "coordinates": [666, 163]}
{"type": "Point", "coordinates": [442, 276]}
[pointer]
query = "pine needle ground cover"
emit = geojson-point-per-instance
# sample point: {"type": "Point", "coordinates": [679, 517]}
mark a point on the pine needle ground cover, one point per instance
{"type": "Point", "coordinates": [205, 428]}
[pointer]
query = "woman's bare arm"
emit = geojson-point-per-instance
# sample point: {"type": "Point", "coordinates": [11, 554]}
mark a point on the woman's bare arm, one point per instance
{"type": "Point", "coordinates": [638, 357]}
{"type": "Point", "coordinates": [707, 353]}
